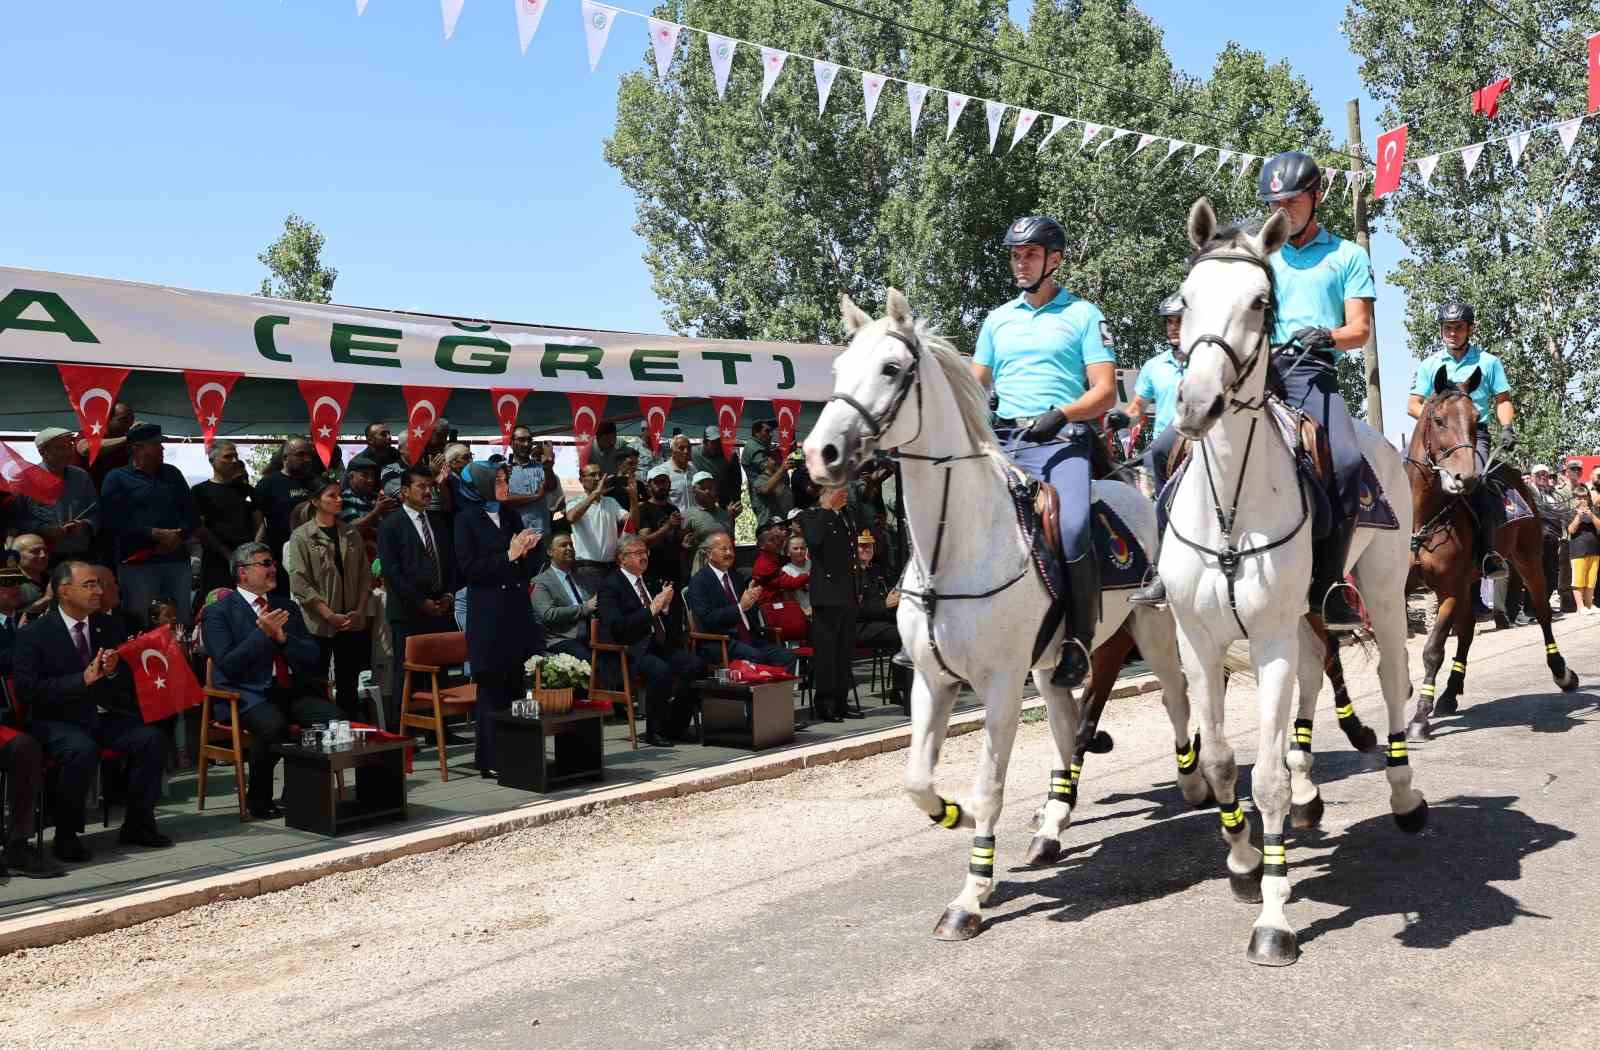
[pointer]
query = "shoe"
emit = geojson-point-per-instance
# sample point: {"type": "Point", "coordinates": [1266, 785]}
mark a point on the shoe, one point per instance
{"type": "Point", "coordinates": [30, 863]}
{"type": "Point", "coordinates": [68, 848]}
{"type": "Point", "coordinates": [1152, 594]}
{"type": "Point", "coordinates": [1072, 667]}
{"type": "Point", "coordinates": [1523, 620]}
{"type": "Point", "coordinates": [852, 713]}
{"type": "Point", "coordinates": [1494, 567]}
{"type": "Point", "coordinates": [901, 659]}
{"type": "Point", "coordinates": [270, 811]}
{"type": "Point", "coordinates": [487, 774]}
{"type": "Point", "coordinates": [656, 740]}
{"type": "Point", "coordinates": [1336, 612]}
{"type": "Point", "coordinates": [143, 835]}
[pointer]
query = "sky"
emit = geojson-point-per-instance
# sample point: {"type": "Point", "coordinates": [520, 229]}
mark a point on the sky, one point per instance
{"type": "Point", "coordinates": [166, 142]}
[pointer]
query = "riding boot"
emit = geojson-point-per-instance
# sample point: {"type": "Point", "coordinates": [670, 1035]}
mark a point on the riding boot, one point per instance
{"type": "Point", "coordinates": [1153, 594]}
{"type": "Point", "coordinates": [1486, 504]}
{"type": "Point", "coordinates": [1083, 616]}
{"type": "Point", "coordinates": [1329, 593]}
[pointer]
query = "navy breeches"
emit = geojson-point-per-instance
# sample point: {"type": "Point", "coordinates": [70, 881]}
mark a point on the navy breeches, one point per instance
{"type": "Point", "coordinates": [1064, 463]}
{"type": "Point", "coordinates": [1313, 386]}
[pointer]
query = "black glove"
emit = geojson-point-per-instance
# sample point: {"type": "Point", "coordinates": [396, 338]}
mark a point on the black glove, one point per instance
{"type": "Point", "coordinates": [1313, 338]}
{"type": "Point", "coordinates": [1046, 427]}
{"type": "Point", "coordinates": [1508, 438]}
{"type": "Point", "coordinates": [1117, 419]}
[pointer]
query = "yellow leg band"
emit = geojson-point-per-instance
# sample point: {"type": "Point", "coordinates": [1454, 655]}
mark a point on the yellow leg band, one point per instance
{"type": "Point", "coordinates": [1346, 711]}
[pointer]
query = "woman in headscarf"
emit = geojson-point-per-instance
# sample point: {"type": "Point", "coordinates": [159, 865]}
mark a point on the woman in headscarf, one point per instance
{"type": "Point", "coordinates": [498, 558]}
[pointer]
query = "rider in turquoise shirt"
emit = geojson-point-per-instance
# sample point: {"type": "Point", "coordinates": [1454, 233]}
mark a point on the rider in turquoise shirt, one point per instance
{"type": "Point", "coordinates": [1158, 383]}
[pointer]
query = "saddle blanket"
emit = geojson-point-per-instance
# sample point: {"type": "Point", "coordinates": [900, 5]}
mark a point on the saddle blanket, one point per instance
{"type": "Point", "coordinates": [1124, 563]}
{"type": "Point", "coordinates": [1516, 508]}
{"type": "Point", "coordinates": [1372, 505]}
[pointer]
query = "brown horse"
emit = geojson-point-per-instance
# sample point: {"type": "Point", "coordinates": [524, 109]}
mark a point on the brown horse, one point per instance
{"type": "Point", "coordinates": [1443, 467]}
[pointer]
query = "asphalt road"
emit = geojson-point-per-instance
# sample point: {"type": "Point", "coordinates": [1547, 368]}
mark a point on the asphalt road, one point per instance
{"type": "Point", "coordinates": [798, 913]}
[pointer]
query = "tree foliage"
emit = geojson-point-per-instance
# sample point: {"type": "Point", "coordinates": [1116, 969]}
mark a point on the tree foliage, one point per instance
{"type": "Point", "coordinates": [294, 262]}
{"type": "Point", "coordinates": [1521, 243]}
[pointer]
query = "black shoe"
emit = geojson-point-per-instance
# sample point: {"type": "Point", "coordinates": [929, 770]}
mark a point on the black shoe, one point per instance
{"type": "Point", "coordinates": [1494, 567]}
{"type": "Point", "coordinates": [68, 848]}
{"type": "Point", "coordinates": [1336, 612]}
{"type": "Point", "coordinates": [30, 863]}
{"type": "Point", "coordinates": [1500, 621]}
{"type": "Point", "coordinates": [656, 740]}
{"type": "Point", "coordinates": [487, 774]}
{"type": "Point", "coordinates": [1152, 594]}
{"type": "Point", "coordinates": [1073, 666]}
{"type": "Point", "coordinates": [143, 835]}
{"type": "Point", "coordinates": [270, 811]}
{"type": "Point", "coordinates": [852, 713]}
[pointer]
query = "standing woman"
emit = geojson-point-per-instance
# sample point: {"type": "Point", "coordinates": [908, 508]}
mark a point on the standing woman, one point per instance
{"type": "Point", "coordinates": [1583, 539]}
{"type": "Point", "coordinates": [330, 577]}
{"type": "Point", "coordinates": [498, 559]}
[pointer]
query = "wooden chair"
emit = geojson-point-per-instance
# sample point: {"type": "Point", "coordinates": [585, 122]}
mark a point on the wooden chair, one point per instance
{"type": "Point", "coordinates": [623, 696]}
{"type": "Point", "coordinates": [431, 654]}
{"type": "Point", "coordinates": [222, 742]}
{"type": "Point", "coordinates": [696, 636]}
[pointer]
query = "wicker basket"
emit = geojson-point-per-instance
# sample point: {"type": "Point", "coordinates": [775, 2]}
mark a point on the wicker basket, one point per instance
{"type": "Point", "coordinates": [551, 701]}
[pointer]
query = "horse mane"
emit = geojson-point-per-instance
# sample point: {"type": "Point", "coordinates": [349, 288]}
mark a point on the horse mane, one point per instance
{"type": "Point", "coordinates": [971, 401]}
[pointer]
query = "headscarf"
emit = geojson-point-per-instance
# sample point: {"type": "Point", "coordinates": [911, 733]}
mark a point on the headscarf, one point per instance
{"type": "Point", "coordinates": [477, 485]}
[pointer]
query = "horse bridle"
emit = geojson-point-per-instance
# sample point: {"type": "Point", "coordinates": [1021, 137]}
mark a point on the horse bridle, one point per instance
{"type": "Point", "coordinates": [1242, 366]}
{"type": "Point", "coordinates": [879, 423]}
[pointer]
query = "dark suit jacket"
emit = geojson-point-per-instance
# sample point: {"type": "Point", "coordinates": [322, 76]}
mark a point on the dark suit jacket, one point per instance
{"type": "Point", "coordinates": [714, 611]}
{"type": "Point", "coordinates": [624, 619]}
{"type": "Point", "coordinates": [242, 654]}
{"type": "Point", "coordinates": [501, 630]}
{"type": "Point", "coordinates": [49, 672]}
{"type": "Point", "coordinates": [874, 595]}
{"type": "Point", "coordinates": [407, 572]}
{"type": "Point", "coordinates": [832, 539]}
{"type": "Point", "coordinates": [8, 642]}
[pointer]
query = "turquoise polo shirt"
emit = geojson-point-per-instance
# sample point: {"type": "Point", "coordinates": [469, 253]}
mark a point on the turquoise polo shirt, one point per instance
{"type": "Point", "coordinates": [1158, 383]}
{"type": "Point", "coordinates": [1314, 281]}
{"type": "Point", "coordinates": [1039, 358]}
{"type": "Point", "coordinates": [1490, 387]}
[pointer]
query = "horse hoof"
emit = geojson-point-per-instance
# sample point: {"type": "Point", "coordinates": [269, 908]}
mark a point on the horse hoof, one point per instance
{"type": "Point", "coordinates": [1303, 818]}
{"type": "Point", "coordinates": [1246, 888]}
{"type": "Point", "coordinates": [1419, 732]}
{"type": "Point", "coordinates": [957, 924]}
{"type": "Point", "coordinates": [1362, 738]}
{"type": "Point", "coordinates": [1036, 821]}
{"type": "Point", "coordinates": [1042, 850]}
{"type": "Point", "coordinates": [1101, 744]}
{"type": "Point", "coordinates": [1447, 704]}
{"type": "Point", "coordinates": [1415, 821]}
{"type": "Point", "coordinates": [1272, 947]}
{"type": "Point", "coordinates": [1570, 682]}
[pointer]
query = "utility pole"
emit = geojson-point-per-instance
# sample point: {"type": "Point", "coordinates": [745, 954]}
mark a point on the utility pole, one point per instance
{"type": "Point", "coordinates": [1364, 239]}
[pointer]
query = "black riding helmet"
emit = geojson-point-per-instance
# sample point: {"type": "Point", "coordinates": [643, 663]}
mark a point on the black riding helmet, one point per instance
{"type": "Point", "coordinates": [1288, 175]}
{"type": "Point", "coordinates": [1456, 311]}
{"type": "Point", "coordinates": [1171, 306]}
{"type": "Point", "coordinates": [1036, 229]}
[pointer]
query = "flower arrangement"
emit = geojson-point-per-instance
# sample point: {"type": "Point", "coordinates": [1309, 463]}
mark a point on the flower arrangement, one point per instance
{"type": "Point", "coordinates": [556, 671]}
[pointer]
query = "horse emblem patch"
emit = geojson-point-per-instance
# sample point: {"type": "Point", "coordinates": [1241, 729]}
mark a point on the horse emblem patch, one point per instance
{"type": "Point", "coordinates": [1367, 498]}
{"type": "Point", "coordinates": [1123, 563]}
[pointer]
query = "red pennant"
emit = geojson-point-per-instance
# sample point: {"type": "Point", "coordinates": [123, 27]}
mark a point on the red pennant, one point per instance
{"type": "Point", "coordinates": [92, 389]}
{"type": "Point", "coordinates": [162, 678]}
{"type": "Point", "coordinates": [27, 479]}
{"type": "Point", "coordinates": [424, 406]}
{"type": "Point", "coordinates": [1486, 100]}
{"type": "Point", "coordinates": [507, 403]}
{"type": "Point", "coordinates": [208, 392]}
{"type": "Point", "coordinates": [587, 410]}
{"type": "Point", "coordinates": [327, 401]}
{"type": "Point", "coordinates": [729, 409]}
{"type": "Point", "coordinates": [1594, 73]}
{"type": "Point", "coordinates": [654, 409]}
{"type": "Point", "coordinates": [788, 416]}
{"type": "Point", "coordinates": [1391, 159]}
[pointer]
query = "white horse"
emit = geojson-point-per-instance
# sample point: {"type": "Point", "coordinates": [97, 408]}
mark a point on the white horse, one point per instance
{"type": "Point", "coordinates": [1237, 563]}
{"type": "Point", "coordinates": [972, 601]}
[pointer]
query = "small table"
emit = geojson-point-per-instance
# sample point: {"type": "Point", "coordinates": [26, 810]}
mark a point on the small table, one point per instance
{"type": "Point", "coordinates": [520, 752]}
{"type": "Point", "coordinates": [751, 715]}
{"type": "Point", "coordinates": [311, 799]}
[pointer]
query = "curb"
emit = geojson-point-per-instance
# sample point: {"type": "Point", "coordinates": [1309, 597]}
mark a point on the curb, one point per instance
{"type": "Point", "coordinates": [83, 920]}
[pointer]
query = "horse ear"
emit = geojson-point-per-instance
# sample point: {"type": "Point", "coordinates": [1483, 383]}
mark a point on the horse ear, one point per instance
{"type": "Point", "coordinates": [899, 308]}
{"type": "Point", "coordinates": [853, 317]}
{"type": "Point", "coordinates": [1473, 380]}
{"type": "Point", "coordinates": [1441, 380]}
{"type": "Point", "coordinates": [1202, 223]}
{"type": "Point", "coordinates": [1274, 232]}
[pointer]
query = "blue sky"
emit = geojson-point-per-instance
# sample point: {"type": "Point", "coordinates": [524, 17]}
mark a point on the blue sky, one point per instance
{"type": "Point", "coordinates": [166, 142]}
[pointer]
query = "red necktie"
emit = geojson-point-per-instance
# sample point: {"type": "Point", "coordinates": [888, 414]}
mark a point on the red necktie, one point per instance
{"type": "Point", "coordinates": [744, 621]}
{"type": "Point", "coordinates": [80, 638]}
{"type": "Point", "coordinates": [280, 666]}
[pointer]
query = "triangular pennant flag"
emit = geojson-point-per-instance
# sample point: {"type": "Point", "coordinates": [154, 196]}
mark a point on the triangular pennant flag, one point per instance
{"type": "Point", "coordinates": [654, 408]}
{"type": "Point", "coordinates": [1173, 146]}
{"type": "Point", "coordinates": [825, 73]}
{"type": "Point", "coordinates": [597, 19]}
{"type": "Point", "coordinates": [1568, 130]}
{"type": "Point", "coordinates": [1089, 132]}
{"type": "Point", "coordinates": [1470, 155]}
{"type": "Point", "coordinates": [1144, 140]}
{"type": "Point", "coordinates": [1223, 156]}
{"type": "Point", "coordinates": [1351, 178]}
{"type": "Point", "coordinates": [361, 7]}
{"type": "Point", "coordinates": [871, 88]}
{"type": "Point", "coordinates": [92, 392]}
{"type": "Point", "coordinates": [728, 410]}
{"type": "Point", "coordinates": [772, 61]}
{"type": "Point", "coordinates": [1425, 167]}
{"type": "Point", "coordinates": [958, 105]}
{"type": "Point", "coordinates": [1200, 151]}
{"type": "Point", "coordinates": [1328, 175]}
{"type": "Point", "coordinates": [994, 112]}
{"type": "Point", "coordinates": [327, 401]}
{"type": "Point", "coordinates": [1056, 124]}
{"type": "Point", "coordinates": [664, 40]}
{"type": "Point", "coordinates": [1355, 180]}
{"type": "Point", "coordinates": [208, 393]}
{"type": "Point", "coordinates": [915, 94]}
{"type": "Point", "coordinates": [586, 411]}
{"type": "Point", "coordinates": [1025, 121]}
{"type": "Point", "coordinates": [1516, 143]}
{"type": "Point", "coordinates": [507, 403]}
{"type": "Point", "coordinates": [721, 48]}
{"type": "Point", "coordinates": [1115, 135]}
{"type": "Point", "coordinates": [787, 413]}
{"type": "Point", "coordinates": [1246, 162]}
{"type": "Point", "coordinates": [528, 14]}
{"type": "Point", "coordinates": [424, 406]}
{"type": "Point", "coordinates": [451, 9]}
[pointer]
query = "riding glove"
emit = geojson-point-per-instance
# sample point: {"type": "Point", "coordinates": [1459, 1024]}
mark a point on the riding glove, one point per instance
{"type": "Point", "coordinates": [1046, 426]}
{"type": "Point", "coordinates": [1508, 438]}
{"type": "Point", "coordinates": [1313, 339]}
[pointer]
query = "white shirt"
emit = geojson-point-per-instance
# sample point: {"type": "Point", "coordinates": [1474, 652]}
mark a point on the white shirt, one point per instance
{"type": "Point", "coordinates": [424, 528]}
{"type": "Point", "coordinates": [727, 585]}
{"type": "Point", "coordinates": [72, 625]}
{"type": "Point", "coordinates": [594, 536]}
{"type": "Point", "coordinates": [250, 597]}
{"type": "Point", "coordinates": [682, 492]}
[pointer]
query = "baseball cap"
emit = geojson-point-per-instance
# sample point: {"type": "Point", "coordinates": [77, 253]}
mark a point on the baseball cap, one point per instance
{"type": "Point", "coordinates": [702, 475]}
{"type": "Point", "coordinates": [712, 432]}
{"type": "Point", "coordinates": [660, 470]}
{"type": "Point", "coordinates": [1540, 468]}
{"type": "Point", "coordinates": [49, 434]}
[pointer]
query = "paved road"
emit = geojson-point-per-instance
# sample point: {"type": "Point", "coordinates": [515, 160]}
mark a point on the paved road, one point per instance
{"type": "Point", "coordinates": [798, 913]}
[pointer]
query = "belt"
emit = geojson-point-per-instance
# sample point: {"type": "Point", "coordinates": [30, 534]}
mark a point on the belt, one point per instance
{"type": "Point", "coordinates": [1020, 423]}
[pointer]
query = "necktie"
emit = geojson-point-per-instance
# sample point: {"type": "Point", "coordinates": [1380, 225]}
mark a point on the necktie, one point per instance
{"type": "Point", "coordinates": [80, 638]}
{"type": "Point", "coordinates": [573, 587]}
{"type": "Point", "coordinates": [744, 621]}
{"type": "Point", "coordinates": [657, 629]}
{"type": "Point", "coordinates": [433, 554]}
{"type": "Point", "coordinates": [280, 666]}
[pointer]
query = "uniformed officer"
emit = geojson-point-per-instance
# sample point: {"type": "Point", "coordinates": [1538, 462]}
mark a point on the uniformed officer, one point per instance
{"type": "Point", "coordinates": [1459, 358]}
{"type": "Point", "coordinates": [1049, 357]}
{"type": "Point", "coordinates": [1158, 387]}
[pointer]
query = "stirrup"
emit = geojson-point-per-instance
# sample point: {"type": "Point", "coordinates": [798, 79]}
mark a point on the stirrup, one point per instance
{"type": "Point", "coordinates": [1152, 595]}
{"type": "Point", "coordinates": [1337, 615]}
{"type": "Point", "coordinates": [1072, 667]}
{"type": "Point", "coordinates": [1494, 567]}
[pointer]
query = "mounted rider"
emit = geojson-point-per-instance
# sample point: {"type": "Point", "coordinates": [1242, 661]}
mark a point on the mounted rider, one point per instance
{"type": "Point", "coordinates": [1158, 385]}
{"type": "Point", "coordinates": [1325, 291]}
{"type": "Point", "coordinates": [1049, 358]}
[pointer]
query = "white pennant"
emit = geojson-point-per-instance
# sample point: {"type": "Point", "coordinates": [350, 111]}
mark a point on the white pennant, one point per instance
{"type": "Point", "coordinates": [1116, 133]}
{"type": "Point", "coordinates": [772, 61]}
{"type": "Point", "coordinates": [664, 39]}
{"type": "Point", "coordinates": [1025, 121]}
{"type": "Point", "coordinates": [1425, 168]}
{"type": "Point", "coordinates": [1173, 146]}
{"type": "Point", "coordinates": [1089, 132]}
{"type": "Point", "coordinates": [361, 8]}
{"type": "Point", "coordinates": [871, 88]}
{"type": "Point", "coordinates": [1223, 156]}
{"type": "Point", "coordinates": [1470, 155]}
{"type": "Point", "coordinates": [958, 106]}
{"type": "Point", "coordinates": [597, 20]}
{"type": "Point", "coordinates": [1568, 130]}
{"type": "Point", "coordinates": [1516, 143]}
{"type": "Point", "coordinates": [1144, 140]}
{"type": "Point", "coordinates": [994, 112]}
{"type": "Point", "coordinates": [1056, 124]}
{"type": "Point", "coordinates": [528, 14]}
{"type": "Point", "coordinates": [1200, 151]}
{"type": "Point", "coordinates": [915, 93]}
{"type": "Point", "coordinates": [451, 9]}
{"type": "Point", "coordinates": [1246, 162]}
{"type": "Point", "coordinates": [826, 73]}
{"type": "Point", "coordinates": [721, 48]}
{"type": "Point", "coordinates": [1328, 175]}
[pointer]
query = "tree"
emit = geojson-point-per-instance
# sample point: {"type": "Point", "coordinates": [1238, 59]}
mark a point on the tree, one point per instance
{"type": "Point", "coordinates": [295, 262]}
{"type": "Point", "coordinates": [1522, 243]}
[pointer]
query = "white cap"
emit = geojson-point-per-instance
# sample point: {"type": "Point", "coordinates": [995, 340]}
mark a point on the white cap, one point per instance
{"type": "Point", "coordinates": [660, 470]}
{"type": "Point", "coordinates": [1539, 468]}
{"type": "Point", "coordinates": [702, 475]}
{"type": "Point", "coordinates": [49, 434]}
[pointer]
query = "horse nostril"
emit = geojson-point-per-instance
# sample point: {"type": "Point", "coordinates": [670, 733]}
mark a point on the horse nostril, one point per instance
{"type": "Point", "coordinates": [1215, 411]}
{"type": "Point", "coordinates": [830, 454]}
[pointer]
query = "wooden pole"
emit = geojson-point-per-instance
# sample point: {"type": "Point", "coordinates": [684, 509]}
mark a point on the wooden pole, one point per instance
{"type": "Point", "coordinates": [1364, 239]}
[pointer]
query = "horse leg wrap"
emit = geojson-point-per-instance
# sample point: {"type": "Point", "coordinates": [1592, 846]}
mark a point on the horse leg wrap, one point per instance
{"type": "Point", "coordinates": [1188, 758]}
{"type": "Point", "coordinates": [1062, 789]}
{"type": "Point", "coordinates": [981, 863]}
{"type": "Point", "coordinates": [1274, 862]}
{"type": "Point", "coordinates": [1397, 750]}
{"type": "Point", "coordinates": [1555, 661]}
{"type": "Point", "coordinates": [950, 816]}
{"type": "Point", "coordinates": [1301, 741]}
{"type": "Point", "coordinates": [1232, 817]}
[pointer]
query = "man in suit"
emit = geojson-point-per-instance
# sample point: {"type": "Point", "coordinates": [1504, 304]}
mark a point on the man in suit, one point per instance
{"type": "Point", "coordinates": [21, 757]}
{"type": "Point", "coordinates": [724, 602]}
{"type": "Point", "coordinates": [81, 698]}
{"type": "Point", "coordinates": [260, 648]}
{"type": "Point", "coordinates": [417, 554]}
{"type": "Point", "coordinates": [631, 615]}
{"type": "Point", "coordinates": [830, 535]}
{"type": "Point", "coordinates": [562, 604]}
{"type": "Point", "coordinates": [878, 604]}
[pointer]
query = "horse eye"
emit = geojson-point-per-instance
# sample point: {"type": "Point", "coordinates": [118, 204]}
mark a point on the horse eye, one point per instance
{"type": "Point", "coordinates": [891, 370]}
{"type": "Point", "coordinates": [1261, 303]}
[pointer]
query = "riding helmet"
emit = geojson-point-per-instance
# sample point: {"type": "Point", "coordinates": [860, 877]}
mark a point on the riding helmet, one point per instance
{"type": "Point", "coordinates": [1171, 306]}
{"type": "Point", "coordinates": [1287, 175]}
{"type": "Point", "coordinates": [1456, 311]}
{"type": "Point", "coordinates": [1036, 229]}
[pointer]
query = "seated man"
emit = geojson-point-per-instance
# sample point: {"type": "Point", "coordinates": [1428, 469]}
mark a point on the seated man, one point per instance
{"type": "Point", "coordinates": [562, 604]}
{"type": "Point", "coordinates": [81, 698]}
{"type": "Point", "coordinates": [260, 648]}
{"type": "Point", "coordinates": [724, 603]}
{"type": "Point", "coordinates": [876, 616]}
{"type": "Point", "coordinates": [21, 758]}
{"type": "Point", "coordinates": [630, 614]}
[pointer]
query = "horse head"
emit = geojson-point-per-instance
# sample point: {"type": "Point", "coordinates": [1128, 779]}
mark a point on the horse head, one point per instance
{"type": "Point", "coordinates": [1228, 301]}
{"type": "Point", "coordinates": [1447, 433]}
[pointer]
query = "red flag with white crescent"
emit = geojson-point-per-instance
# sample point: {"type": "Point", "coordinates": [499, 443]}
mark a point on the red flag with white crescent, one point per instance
{"type": "Point", "coordinates": [1391, 159]}
{"type": "Point", "coordinates": [92, 389]}
{"type": "Point", "coordinates": [424, 406]}
{"type": "Point", "coordinates": [162, 678]}
{"type": "Point", "coordinates": [208, 392]}
{"type": "Point", "coordinates": [787, 413]}
{"type": "Point", "coordinates": [1594, 73]}
{"type": "Point", "coordinates": [729, 409]}
{"type": "Point", "coordinates": [28, 479]}
{"type": "Point", "coordinates": [327, 400]}
{"type": "Point", "coordinates": [587, 410]}
{"type": "Point", "coordinates": [507, 403]}
{"type": "Point", "coordinates": [654, 408]}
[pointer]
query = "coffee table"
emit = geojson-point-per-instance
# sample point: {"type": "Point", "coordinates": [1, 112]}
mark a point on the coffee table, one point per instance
{"type": "Point", "coordinates": [311, 799]}
{"type": "Point", "coordinates": [520, 751]}
{"type": "Point", "coordinates": [750, 715]}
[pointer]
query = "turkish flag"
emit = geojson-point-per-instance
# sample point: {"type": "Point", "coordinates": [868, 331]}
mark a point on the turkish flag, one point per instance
{"type": "Point", "coordinates": [787, 413]}
{"type": "Point", "coordinates": [162, 678]}
{"type": "Point", "coordinates": [327, 400]}
{"type": "Point", "coordinates": [1486, 100]}
{"type": "Point", "coordinates": [587, 410]}
{"type": "Point", "coordinates": [654, 409]}
{"type": "Point", "coordinates": [1594, 73]}
{"type": "Point", "coordinates": [27, 479]}
{"type": "Point", "coordinates": [91, 389]}
{"type": "Point", "coordinates": [1391, 159]}
{"type": "Point", "coordinates": [208, 392]}
{"type": "Point", "coordinates": [729, 409]}
{"type": "Point", "coordinates": [507, 403]}
{"type": "Point", "coordinates": [424, 406]}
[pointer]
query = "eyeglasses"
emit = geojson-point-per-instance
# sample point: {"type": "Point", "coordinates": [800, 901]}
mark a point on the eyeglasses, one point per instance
{"type": "Point", "coordinates": [268, 564]}
{"type": "Point", "coordinates": [1575, 467]}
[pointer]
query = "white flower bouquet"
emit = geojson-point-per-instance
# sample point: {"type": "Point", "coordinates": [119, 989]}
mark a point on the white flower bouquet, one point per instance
{"type": "Point", "coordinates": [556, 671]}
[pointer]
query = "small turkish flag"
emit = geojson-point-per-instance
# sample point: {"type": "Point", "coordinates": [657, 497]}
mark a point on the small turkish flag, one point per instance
{"type": "Point", "coordinates": [327, 401]}
{"type": "Point", "coordinates": [1594, 73]}
{"type": "Point", "coordinates": [507, 403]}
{"type": "Point", "coordinates": [162, 678]}
{"type": "Point", "coordinates": [92, 389]}
{"type": "Point", "coordinates": [208, 392]}
{"type": "Point", "coordinates": [1391, 159]}
{"type": "Point", "coordinates": [1486, 100]}
{"type": "Point", "coordinates": [729, 409]}
{"type": "Point", "coordinates": [654, 410]}
{"type": "Point", "coordinates": [788, 415]}
{"type": "Point", "coordinates": [424, 406]}
{"type": "Point", "coordinates": [28, 479]}
{"type": "Point", "coordinates": [586, 411]}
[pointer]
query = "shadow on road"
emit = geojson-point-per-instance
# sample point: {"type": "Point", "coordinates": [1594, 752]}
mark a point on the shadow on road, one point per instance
{"type": "Point", "coordinates": [1551, 712]}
